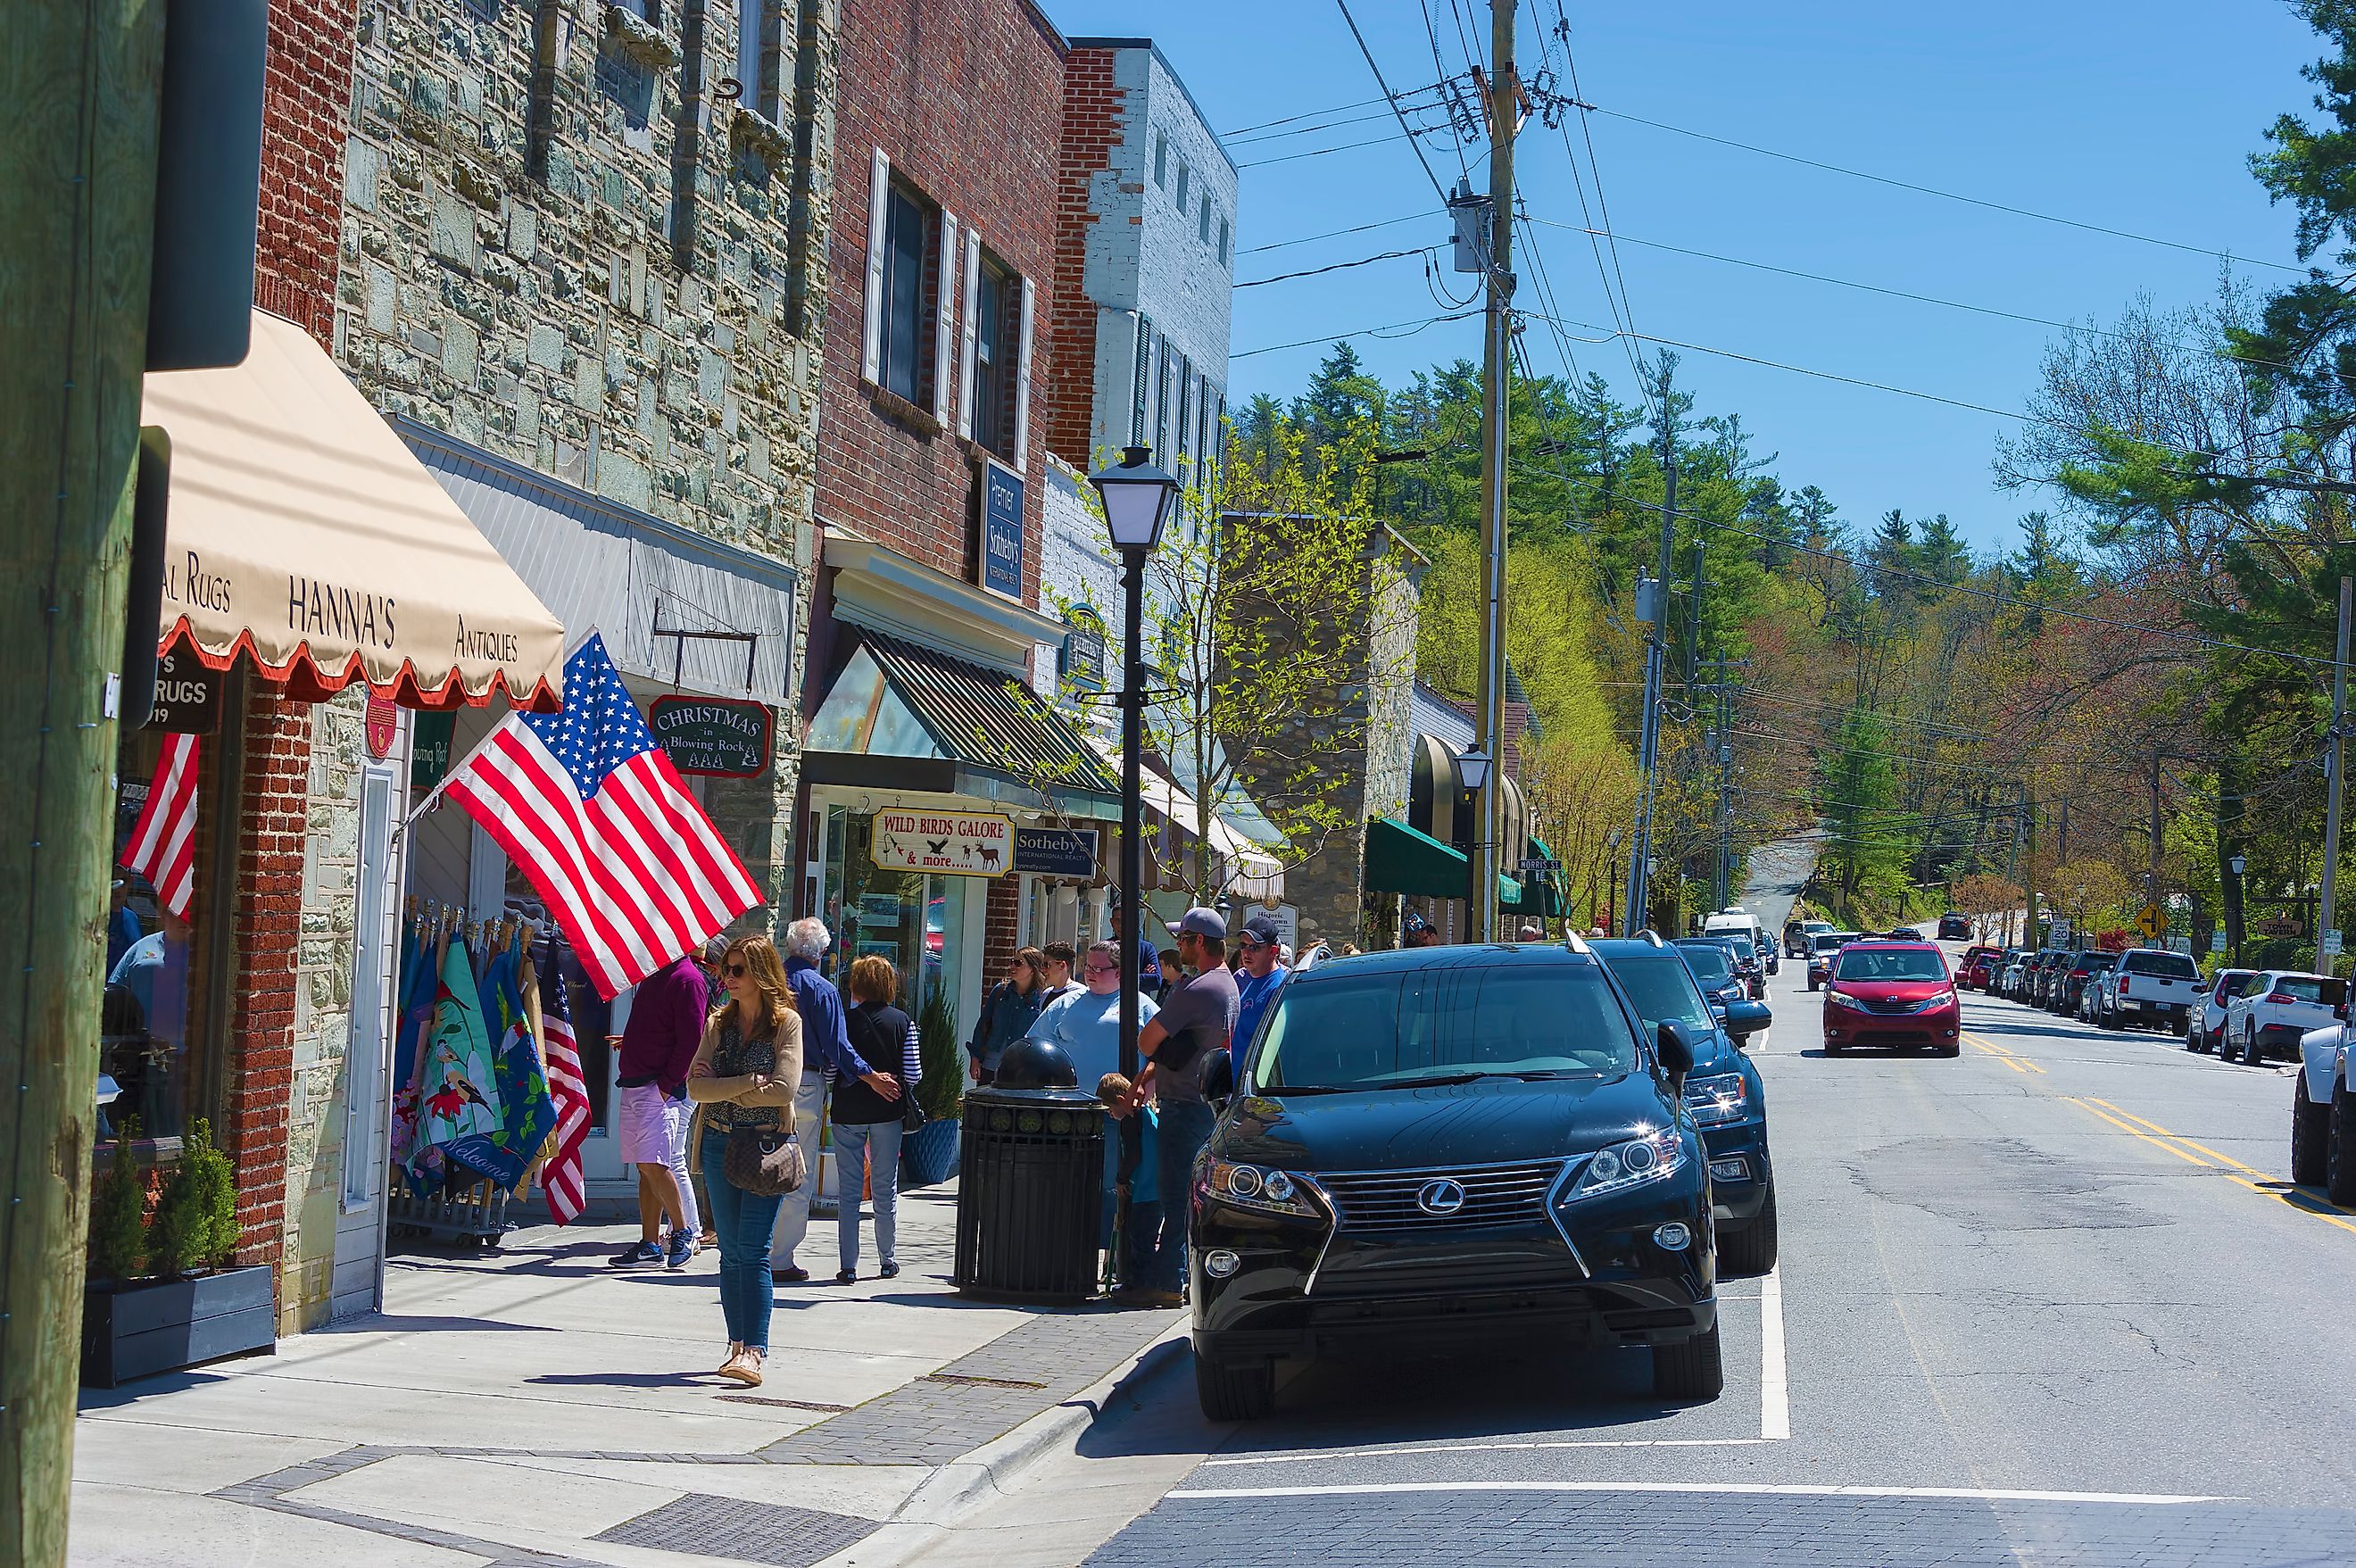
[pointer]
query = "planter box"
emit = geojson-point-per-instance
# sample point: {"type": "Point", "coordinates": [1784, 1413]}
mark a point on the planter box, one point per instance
{"type": "Point", "coordinates": [929, 1155]}
{"type": "Point", "coordinates": [137, 1331]}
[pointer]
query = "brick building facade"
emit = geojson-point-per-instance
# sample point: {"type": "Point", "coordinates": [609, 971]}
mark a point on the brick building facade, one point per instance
{"type": "Point", "coordinates": [940, 351]}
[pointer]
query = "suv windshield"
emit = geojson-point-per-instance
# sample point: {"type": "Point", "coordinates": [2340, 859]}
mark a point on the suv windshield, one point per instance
{"type": "Point", "coordinates": [1886, 964]}
{"type": "Point", "coordinates": [1829, 941]}
{"type": "Point", "coordinates": [2095, 962]}
{"type": "Point", "coordinates": [2169, 965]}
{"type": "Point", "coordinates": [1711, 962]}
{"type": "Point", "coordinates": [1662, 990]}
{"type": "Point", "coordinates": [1401, 1028]}
{"type": "Point", "coordinates": [2298, 987]}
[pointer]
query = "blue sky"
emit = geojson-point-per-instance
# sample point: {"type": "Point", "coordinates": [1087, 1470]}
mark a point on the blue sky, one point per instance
{"type": "Point", "coordinates": [2138, 117]}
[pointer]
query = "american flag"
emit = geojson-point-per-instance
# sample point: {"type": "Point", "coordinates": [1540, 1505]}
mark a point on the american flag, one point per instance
{"type": "Point", "coordinates": [560, 1177]}
{"type": "Point", "coordinates": [163, 846]}
{"type": "Point", "coordinates": [592, 812]}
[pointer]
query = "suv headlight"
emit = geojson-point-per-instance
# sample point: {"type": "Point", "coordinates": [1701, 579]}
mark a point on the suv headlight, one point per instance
{"type": "Point", "coordinates": [1943, 999]}
{"type": "Point", "coordinates": [1843, 999]}
{"type": "Point", "coordinates": [1269, 1191]}
{"type": "Point", "coordinates": [1635, 1163]}
{"type": "Point", "coordinates": [1720, 1098]}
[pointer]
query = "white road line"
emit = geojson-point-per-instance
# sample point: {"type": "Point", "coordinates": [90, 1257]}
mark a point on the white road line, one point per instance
{"type": "Point", "coordinates": [1754, 1489]}
{"type": "Point", "coordinates": [1532, 1445]}
{"type": "Point", "coordinates": [1774, 1384]}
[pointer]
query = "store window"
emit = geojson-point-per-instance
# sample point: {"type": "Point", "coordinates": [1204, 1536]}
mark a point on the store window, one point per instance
{"type": "Point", "coordinates": [997, 347]}
{"type": "Point", "coordinates": [918, 921]}
{"type": "Point", "coordinates": [148, 1045]}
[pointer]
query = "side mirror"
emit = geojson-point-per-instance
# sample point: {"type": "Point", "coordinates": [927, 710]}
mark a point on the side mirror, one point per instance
{"type": "Point", "coordinates": [1220, 1077]}
{"type": "Point", "coordinates": [1674, 1051]}
{"type": "Point", "coordinates": [1744, 1019]}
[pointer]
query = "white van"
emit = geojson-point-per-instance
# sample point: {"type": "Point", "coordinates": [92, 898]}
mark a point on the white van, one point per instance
{"type": "Point", "coordinates": [1736, 922]}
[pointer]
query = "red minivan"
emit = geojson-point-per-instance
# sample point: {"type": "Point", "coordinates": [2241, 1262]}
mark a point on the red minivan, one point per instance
{"type": "Point", "coordinates": [1898, 995]}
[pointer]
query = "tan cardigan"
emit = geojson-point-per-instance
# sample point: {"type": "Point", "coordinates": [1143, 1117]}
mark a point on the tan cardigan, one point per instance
{"type": "Point", "coordinates": [742, 1089]}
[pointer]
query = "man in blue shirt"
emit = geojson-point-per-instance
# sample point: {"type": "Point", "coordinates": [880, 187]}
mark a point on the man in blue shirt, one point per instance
{"type": "Point", "coordinates": [1259, 977]}
{"type": "Point", "coordinates": [826, 1054]}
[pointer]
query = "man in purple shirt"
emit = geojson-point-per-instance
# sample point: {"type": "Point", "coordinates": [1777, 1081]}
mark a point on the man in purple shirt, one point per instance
{"type": "Point", "coordinates": [658, 1042]}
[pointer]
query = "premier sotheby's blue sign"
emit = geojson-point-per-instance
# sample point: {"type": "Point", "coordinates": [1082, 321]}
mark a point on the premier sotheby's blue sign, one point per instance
{"type": "Point", "coordinates": [1002, 530]}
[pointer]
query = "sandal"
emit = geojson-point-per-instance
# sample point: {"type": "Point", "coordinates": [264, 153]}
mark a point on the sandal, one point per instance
{"type": "Point", "coordinates": [735, 1351]}
{"type": "Point", "coordinates": [745, 1369]}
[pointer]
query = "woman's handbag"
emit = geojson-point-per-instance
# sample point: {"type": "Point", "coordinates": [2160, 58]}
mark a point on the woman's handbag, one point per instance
{"type": "Point", "coordinates": [764, 1161]}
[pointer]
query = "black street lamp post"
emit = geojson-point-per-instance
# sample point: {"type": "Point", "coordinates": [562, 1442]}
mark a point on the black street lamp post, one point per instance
{"type": "Point", "coordinates": [1472, 777]}
{"type": "Point", "coordinates": [1136, 497]}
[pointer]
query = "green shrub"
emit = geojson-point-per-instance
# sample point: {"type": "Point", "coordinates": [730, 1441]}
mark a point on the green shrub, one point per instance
{"type": "Point", "coordinates": [196, 1215]}
{"type": "Point", "coordinates": [118, 1212]}
{"type": "Point", "coordinates": [942, 1087]}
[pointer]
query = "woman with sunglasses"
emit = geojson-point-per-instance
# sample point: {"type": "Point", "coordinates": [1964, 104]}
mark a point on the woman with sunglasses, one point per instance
{"type": "Point", "coordinates": [1008, 1012]}
{"type": "Point", "coordinates": [745, 1074]}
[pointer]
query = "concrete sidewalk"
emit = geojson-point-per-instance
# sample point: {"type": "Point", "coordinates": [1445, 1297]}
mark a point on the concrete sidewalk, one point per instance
{"type": "Point", "coordinates": [532, 1405]}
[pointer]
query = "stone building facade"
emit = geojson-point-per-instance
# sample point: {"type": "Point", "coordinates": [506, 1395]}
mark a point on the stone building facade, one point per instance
{"type": "Point", "coordinates": [582, 273]}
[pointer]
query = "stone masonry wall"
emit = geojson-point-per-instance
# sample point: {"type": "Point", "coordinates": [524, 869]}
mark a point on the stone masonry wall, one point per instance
{"type": "Point", "coordinates": [600, 269]}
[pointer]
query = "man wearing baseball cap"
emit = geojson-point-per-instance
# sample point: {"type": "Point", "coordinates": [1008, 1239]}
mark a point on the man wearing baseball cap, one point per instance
{"type": "Point", "coordinates": [1259, 977]}
{"type": "Point", "coordinates": [1196, 1020]}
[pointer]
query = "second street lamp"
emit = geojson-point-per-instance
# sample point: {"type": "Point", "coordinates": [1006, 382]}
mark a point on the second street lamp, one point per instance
{"type": "Point", "coordinates": [1136, 497]}
{"type": "Point", "coordinates": [1472, 777]}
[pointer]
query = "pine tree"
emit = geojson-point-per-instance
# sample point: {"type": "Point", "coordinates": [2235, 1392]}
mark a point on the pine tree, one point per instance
{"type": "Point", "coordinates": [118, 1213]}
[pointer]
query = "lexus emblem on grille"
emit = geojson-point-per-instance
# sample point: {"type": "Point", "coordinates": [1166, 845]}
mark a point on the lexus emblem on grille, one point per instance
{"type": "Point", "coordinates": [1443, 1197]}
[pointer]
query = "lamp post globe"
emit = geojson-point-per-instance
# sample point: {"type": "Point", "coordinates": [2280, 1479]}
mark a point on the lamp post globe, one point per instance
{"type": "Point", "coordinates": [2241, 863]}
{"type": "Point", "coordinates": [1136, 497]}
{"type": "Point", "coordinates": [1472, 769]}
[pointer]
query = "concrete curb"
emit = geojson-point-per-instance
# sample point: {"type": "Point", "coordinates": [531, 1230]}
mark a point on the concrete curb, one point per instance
{"type": "Point", "coordinates": [965, 1485]}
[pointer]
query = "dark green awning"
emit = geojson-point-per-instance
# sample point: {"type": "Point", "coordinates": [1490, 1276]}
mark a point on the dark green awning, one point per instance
{"type": "Point", "coordinates": [1541, 896]}
{"type": "Point", "coordinates": [1399, 859]}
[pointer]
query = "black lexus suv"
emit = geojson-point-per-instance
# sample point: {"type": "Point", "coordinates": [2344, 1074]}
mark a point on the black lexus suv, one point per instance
{"type": "Point", "coordinates": [1439, 1140]}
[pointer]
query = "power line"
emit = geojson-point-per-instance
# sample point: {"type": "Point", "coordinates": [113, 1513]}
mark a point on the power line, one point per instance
{"type": "Point", "coordinates": [1323, 152]}
{"type": "Point", "coordinates": [1337, 234]}
{"type": "Point", "coordinates": [1306, 130]}
{"type": "Point", "coordinates": [1392, 97]}
{"type": "Point", "coordinates": [1335, 267]}
{"type": "Point", "coordinates": [1304, 115]}
{"type": "Point", "coordinates": [1391, 331]}
{"type": "Point", "coordinates": [1926, 189]}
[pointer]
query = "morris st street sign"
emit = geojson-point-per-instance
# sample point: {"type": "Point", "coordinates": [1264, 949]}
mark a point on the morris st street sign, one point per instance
{"type": "Point", "coordinates": [951, 844]}
{"type": "Point", "coordinates": [712, 735]}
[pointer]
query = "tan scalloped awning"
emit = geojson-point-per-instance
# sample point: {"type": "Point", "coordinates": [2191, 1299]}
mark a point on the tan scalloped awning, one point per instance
{"type": "Point", "coordinates": [302, 531]}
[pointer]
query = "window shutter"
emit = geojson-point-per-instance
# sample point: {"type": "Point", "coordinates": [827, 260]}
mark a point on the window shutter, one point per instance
{"type": "Point", "coordinates": [1023, 387]}
{"type": "Point", "coordinates": [945, 322]}
{"type": "Point", "coordinates": [972, 323]}
{"type": "Point", "coordinates": [879, 195]}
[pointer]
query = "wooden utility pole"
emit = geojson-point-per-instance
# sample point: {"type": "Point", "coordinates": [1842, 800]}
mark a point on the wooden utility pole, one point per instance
{"type": "Point", "coordinates": [2327, 908]}
{"type": "Point", "coordinates": [1496, 402]}
{"type": "Point", "coordinates": [78, 88]}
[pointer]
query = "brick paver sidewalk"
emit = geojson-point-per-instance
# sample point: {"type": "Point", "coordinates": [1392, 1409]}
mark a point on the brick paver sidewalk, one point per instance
{"type": "Point", "coordinates": [534, 1405]}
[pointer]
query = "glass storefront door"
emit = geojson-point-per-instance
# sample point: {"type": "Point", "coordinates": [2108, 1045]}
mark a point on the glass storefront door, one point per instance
{"type": "Point", "coordinates": [916, 921]}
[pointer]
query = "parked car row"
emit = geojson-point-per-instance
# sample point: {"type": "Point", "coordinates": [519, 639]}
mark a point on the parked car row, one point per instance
{"type": "Point", "coordinates": [2251, 1015]}
{"type": "Point", "coordinates": [2323, 1106]}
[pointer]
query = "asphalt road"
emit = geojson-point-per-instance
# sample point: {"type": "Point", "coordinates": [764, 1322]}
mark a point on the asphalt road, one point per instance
{"type": "Point", "coordinates": [2051, 1302]}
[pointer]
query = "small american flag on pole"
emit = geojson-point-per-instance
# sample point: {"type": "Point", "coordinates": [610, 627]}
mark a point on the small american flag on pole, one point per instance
{"type": "Point", "coordinates": [595, 816]}
{"type": "Point", "coordinates": [560, 1177]}
{"type": "Point", "coordinates": [163, 846]}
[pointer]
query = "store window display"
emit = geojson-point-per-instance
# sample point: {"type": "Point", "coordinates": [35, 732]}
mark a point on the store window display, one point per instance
{"type": "Point", "coordinates": [148, 1046]}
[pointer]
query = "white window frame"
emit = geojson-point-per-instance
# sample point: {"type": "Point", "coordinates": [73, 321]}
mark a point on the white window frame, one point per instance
{"type": "Point", "coordinates": [879, 191]}
{"type": "Point", "coordinates": [367, 1053]}
{"type": "Point", "coordinates": [1023, 383]}
{"type": "Point", "coordinates": [945, 340]}
{"type": "Point", "coordinates": [972, 322]}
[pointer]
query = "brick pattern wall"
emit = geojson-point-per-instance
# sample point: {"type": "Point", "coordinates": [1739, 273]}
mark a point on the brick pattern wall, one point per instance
{"type": "Point", "coordinates": [307, 92]}
{"type": "Point", "coordinates": [1092, 127]}
{"type": "Point", "coordinates": [966, 98]}
{"type": "Point", "coordinates": [269, 877]}
{"type": "Point", "coordinates": [1001, 928]}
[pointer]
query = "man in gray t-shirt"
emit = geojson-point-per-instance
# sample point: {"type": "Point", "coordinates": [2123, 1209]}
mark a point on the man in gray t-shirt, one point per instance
{"type": "Point", "coordinates": [1195, 1023]}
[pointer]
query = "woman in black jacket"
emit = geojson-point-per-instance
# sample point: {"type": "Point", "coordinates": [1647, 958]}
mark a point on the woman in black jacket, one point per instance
{"type": "Point", "coordinates": [866, 1125]}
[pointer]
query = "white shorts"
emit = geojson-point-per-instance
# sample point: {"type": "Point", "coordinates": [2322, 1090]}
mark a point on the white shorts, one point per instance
{"type": "Point", "coordinates": [651, 1125]}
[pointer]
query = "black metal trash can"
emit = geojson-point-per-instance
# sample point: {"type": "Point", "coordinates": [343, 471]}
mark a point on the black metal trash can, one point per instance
{"type": "Point", "coordinates": [1029, 1193]}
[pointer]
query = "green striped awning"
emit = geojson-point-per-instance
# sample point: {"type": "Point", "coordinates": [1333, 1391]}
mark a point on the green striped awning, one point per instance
{"type": "Point", "coordinates": [1400, 859]}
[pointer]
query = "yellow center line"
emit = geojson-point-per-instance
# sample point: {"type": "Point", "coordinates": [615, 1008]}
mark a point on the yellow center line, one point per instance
{"type": "Point", "coordinates": [2146, 1121]}
{"type": "Point", "coordinates": [2019, 1062]}
{"type": "Point", "coordinates": [2295, 1199]}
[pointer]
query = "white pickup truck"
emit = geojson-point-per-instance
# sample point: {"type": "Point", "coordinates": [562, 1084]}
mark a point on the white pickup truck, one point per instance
{"type": "Point", "coordinates": [2148, 988]}
{"type": "Point", "coordinates": [2323, 1109]}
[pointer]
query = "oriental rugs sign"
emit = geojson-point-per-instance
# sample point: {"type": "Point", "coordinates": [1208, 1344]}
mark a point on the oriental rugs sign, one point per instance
{"type": "Point", "coordinates": [712, 735]}
{"type": "Point", "coordinates": [950, 844]}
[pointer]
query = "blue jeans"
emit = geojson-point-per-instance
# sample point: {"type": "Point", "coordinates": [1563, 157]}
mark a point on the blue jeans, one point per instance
{"type": "Point", "coordinates": [852, 1142]}
{"type": "Point", "coordinates": [743, 1220]}
{"type": "Point", "coordinates": [1185, 1127]}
